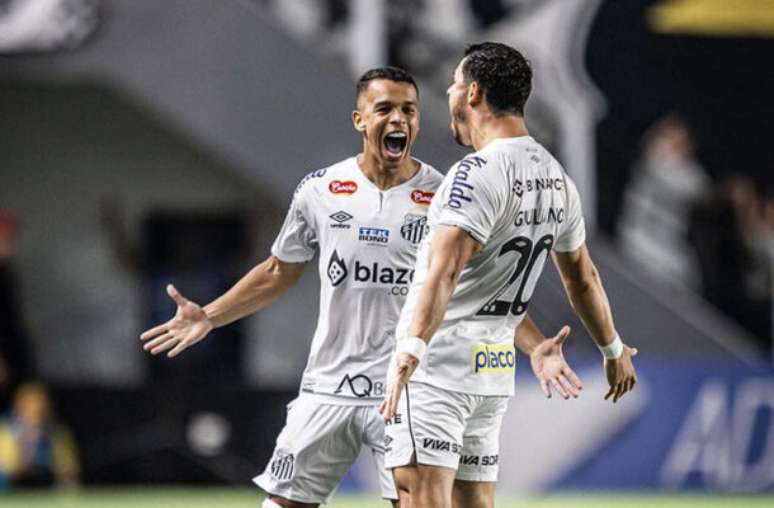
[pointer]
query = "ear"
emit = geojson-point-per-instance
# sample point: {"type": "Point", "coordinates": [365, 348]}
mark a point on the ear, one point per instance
{"type": "Point", "coordinates": [357, 121]}
{"type": "Point", "coordinates": [475, 94]}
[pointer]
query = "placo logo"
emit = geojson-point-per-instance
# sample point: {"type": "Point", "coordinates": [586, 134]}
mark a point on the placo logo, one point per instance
{"type": "Point", "coordinates": [494, 358]}
{"type": "Point", "coordinates": [421, 197]}
{"type": "Point", "coordinates": [346, 187]}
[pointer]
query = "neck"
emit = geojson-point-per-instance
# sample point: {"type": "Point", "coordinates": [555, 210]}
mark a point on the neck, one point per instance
{"type": "Point", "coordinates": [486, 128]}
{"type": "Point", "coordinates": [384, 177]}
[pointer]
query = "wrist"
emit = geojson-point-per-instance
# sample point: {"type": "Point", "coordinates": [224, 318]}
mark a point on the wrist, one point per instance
{"type": "Point", "coordinates": [614, 350]}
{"type": "Point", "coordinates": [414, 346]}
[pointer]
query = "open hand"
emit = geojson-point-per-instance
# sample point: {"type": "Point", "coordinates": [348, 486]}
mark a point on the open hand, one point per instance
{"type": "Point", "coordinates": [402, 366]}
{"type": "Point", "coordinates": [189, 326]}
{"type": "Point", "coordinates": [620, 374]}
{"type": "Point", "coordinates": [551, 369]}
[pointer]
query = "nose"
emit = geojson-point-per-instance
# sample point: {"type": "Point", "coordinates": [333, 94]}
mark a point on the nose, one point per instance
{"type": "Point", "coordinates": [397, 116]}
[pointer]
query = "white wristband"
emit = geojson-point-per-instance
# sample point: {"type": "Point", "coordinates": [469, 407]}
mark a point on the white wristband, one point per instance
{"type": "Point", "coordinates": [412, 345]}
{"type": "Point", "coordinates": [614, 350]}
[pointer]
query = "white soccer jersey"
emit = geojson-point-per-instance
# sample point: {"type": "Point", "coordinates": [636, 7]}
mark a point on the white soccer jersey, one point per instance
{"type": "Point", "coordinates": [367, 240]}
{"type": "Point", "coordinates": [515, 199]}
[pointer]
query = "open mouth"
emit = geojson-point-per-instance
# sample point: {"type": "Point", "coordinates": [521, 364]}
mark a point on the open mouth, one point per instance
{"type": "Point", "coordinates": [395, 145]}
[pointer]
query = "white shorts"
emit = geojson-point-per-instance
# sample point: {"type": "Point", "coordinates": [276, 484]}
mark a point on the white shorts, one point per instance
{"type": "Point", "coordinates": [449, 429]}
{"type": "Point", "coordinates": [317, 446]}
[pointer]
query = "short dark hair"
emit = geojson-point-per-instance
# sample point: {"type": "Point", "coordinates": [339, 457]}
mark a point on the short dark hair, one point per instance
{"type": "Point", "coordinates": [390, 73]}
{"type": "Point", "coordinates": [503, 74]}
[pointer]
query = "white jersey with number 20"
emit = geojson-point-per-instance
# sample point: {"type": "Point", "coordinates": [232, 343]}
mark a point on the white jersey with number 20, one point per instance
{"type": "Point", "coordinates": [515, 199]}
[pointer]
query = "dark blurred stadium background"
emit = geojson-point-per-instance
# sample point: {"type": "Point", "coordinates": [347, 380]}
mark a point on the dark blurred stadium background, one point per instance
{"type": "Point", "coordinates": [143, 142]}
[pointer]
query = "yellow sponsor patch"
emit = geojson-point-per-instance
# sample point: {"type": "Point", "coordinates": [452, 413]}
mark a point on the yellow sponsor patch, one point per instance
{"type": "Point", "coordinates": [495, 358]}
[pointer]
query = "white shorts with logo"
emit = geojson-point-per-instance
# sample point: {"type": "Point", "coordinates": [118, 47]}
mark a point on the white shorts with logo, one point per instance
{"type": "Point", "coordinates": [317, 446]}
{"type": "Point", "coordinates": [450, 429]}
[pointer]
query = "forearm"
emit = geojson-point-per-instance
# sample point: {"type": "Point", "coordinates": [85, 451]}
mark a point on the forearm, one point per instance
{"type": "Point", "coordinates": [527, 336]}
{"type": "Point", "coordinates": [432, 304]}
{"type": "Point", "coordinates": [257, 289]}
{"type": "Point", "coordinates": [590, 302]}
{"type": "Point", "coordinates": [451, 249]}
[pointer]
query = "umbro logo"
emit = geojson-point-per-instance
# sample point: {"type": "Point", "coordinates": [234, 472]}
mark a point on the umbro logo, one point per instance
{"type": "Point", "coordinates": [341, 218]}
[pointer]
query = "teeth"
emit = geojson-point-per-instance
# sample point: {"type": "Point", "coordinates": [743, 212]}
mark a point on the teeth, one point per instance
{"type": "Point", "coordinates": [396, 135]}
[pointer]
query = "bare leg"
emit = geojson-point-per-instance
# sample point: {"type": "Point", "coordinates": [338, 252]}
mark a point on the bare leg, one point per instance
{"type": "Point", "coordinates": [287, 503]}
{"type": "Point", "coordinates": [428, 486]}
{"type": "Point", "coordinates": [466, 494]}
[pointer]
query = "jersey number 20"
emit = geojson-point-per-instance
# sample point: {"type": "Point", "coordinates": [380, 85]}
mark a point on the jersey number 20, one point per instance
{"type": "Point", "coordinates": [529, 254]}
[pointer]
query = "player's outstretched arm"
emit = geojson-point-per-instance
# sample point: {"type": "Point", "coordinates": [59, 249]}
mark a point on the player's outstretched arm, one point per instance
{"type": "Point", "coordinates": [452, 247]}
{"type": "Point", "coordinates": [191, 323]}
{"type": "Point", "coordinates": [587, 296]}
{"type": "Point", "coordinates": [547, 360]}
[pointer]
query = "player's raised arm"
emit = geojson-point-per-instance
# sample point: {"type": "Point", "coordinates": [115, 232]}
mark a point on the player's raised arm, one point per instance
{"type": "Point", "coordinates": [191, 323]}
{"type": "Point", "coordinates": [587, 296]}
{"type": "Point", "coordinates": [547, 359]}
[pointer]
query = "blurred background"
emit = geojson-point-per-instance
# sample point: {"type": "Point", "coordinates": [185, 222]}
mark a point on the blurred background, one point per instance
{"type": "Point", "coordinates": [146, 142]}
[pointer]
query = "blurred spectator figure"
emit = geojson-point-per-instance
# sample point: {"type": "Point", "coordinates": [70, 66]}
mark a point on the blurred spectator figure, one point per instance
{"type": "Point", "coordinates": [15, 362]}
{"type": "Point", "coordinates": [35, 450]}
{"type": "Point", "coordinates": [733, 233]}
{"type": "Point", "coordinates": [667, 181]}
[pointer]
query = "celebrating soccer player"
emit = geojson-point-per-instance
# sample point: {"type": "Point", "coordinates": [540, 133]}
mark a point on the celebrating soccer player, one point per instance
{"type": "Point", "coordinates": [495, 219]}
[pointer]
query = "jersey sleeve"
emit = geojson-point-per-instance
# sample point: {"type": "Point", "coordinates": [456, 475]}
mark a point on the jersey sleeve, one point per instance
{"type": "Point", "coordinates": [470, 197]}
{"type": "Point", "coordinates": [574, 233]}
{"type": "Point", "coordinates": [297, 240]}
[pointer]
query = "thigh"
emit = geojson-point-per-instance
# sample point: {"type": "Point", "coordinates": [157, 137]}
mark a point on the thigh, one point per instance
{"type": "Point", "coordinates": [424, 486]}
{"type": "Point", "coordinates": [480, 457]}
{"type": "Point", "coordinates": [313, 452]}
{"type": "Point", "coordinates": [427, 429]}
{"type": "Point", "coordinates": [466, 494]}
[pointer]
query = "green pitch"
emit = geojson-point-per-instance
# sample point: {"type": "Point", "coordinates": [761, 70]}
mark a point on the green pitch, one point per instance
{"type": "Point", "coordinates": [146, 497]}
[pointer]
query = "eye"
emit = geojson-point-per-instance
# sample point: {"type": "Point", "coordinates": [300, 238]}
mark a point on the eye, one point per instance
{"type": "Point", "coordinates": [409, 110]}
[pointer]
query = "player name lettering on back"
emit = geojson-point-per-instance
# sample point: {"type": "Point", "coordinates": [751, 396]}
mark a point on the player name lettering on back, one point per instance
{"type": "Point", "coordinates": [538, 216]}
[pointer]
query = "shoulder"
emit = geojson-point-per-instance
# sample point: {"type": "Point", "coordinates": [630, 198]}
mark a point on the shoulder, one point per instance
{"type": "Point", "coordinates": [429, 177]}
{"type": "Point", "coordinates": [320, 178]}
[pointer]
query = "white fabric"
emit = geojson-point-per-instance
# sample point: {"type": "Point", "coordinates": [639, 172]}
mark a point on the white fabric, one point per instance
{"type": "Point", "coordinates": [614, 350]}
{"type": "Point", "coordinates": [318, 445]}
{"type": "Point", "coordinates": [515, 199]}
{"type": "Point", "coordinates": [414, 346]}
{"type": "Point", "coordinates": [448, 429]}
{"type": "Point", "coordinates": [367, 241]}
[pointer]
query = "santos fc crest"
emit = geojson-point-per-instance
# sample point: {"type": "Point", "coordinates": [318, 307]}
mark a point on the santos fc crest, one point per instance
{"type": "Point", "coordinates": [414, 228]}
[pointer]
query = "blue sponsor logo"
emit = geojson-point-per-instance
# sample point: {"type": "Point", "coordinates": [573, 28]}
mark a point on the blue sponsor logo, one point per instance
{"type": "Point", "coordinates": [373, 235]}
{"type": "Point", "coordinates": [460, 189]}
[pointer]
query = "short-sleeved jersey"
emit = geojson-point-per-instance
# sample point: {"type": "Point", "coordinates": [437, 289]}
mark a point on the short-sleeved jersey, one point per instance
{"type": "Point", "coordinates": [367, 240]}
{"type": "Point", "coordinates": [515, 199]}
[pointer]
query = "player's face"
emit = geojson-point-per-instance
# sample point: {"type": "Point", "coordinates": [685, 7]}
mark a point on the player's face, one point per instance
{"type": "Point", "coordinates": [459, 108]}
{"type": "Point", "coordinates": [388, 117]}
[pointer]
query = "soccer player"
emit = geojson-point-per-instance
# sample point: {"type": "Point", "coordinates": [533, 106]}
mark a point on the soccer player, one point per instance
{"type": "Point", "coordinates": [495, 219]}
{"type": "Point", "coordinates": [366, 216]}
